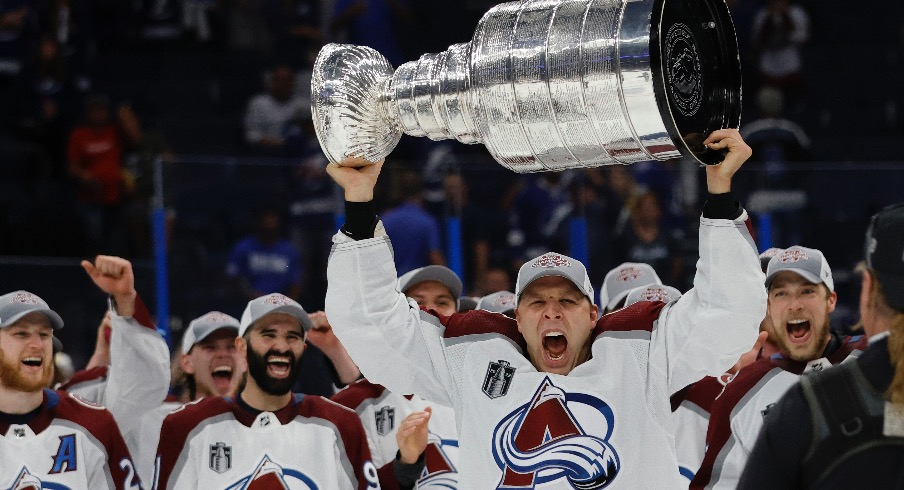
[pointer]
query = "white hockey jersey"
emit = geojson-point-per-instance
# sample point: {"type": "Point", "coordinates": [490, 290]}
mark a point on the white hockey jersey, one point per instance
{"type": "Point", "coordinates": [690, 413]}
{"type": "Point", "coordinates": [607, 422]}
{"type": "Point", "coordinates": [381, 411]}
{"type": "Point", "coordinates": [218, 443]}
{"type": "Point", "coordinates": [69, 445]}
{"type": "Point", "coordinates": [737, 414]}
{"type": "Point", "coordinates": [138, 377]}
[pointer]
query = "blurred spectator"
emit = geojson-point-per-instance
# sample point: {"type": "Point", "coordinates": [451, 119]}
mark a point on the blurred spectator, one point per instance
{"type": "Point", "coordinates": [374, 23]}
{"type": "Point", "coordinates": [493, 280]}
{"type": "Point", "coordinates": [269, 113]}
{"type": "Point", "coordinates": [779, 30]}
{"type": "Point", "coordinates": [775, 140]}
{"type": "Point", "coordinates": [644, 240]}
{"type": "Point", "coordinates": [540, 213]}
{"type": "Point", "coordinates": [95, 160]}
{"type": "Point", "coordinates": [266, 263]}
{"type": "Point", "coordinates": [415, 233]}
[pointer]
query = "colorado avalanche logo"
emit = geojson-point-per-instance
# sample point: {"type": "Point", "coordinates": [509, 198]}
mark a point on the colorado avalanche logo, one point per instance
{"type": "Point", "coordinates": [26, 299]}
{"type": "Point", "coordinates": [26, 481]}
{"type": "Point", "coordinates": [629, 274]}
{"type": "Point", "coordinates": [551, 260]}
{"type": "Point", "coordinates": [439, 471]}
{"type": "Point", "coordinates": [271, 476]}
{"type": "Point", "coordinates": [791, 256]}
{"type": "Point", "coordinates": [542, 442]}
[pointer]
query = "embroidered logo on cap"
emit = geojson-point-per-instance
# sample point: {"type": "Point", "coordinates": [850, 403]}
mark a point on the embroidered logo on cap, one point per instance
{"type": "Point", "coordinates": [655, 294]}
{"type": "Point", "coordinates": [504, 300]}
{"type": "Point", "coordinates": [217, 317]}
{"type": "Point", "coordinates": [551, 260]}
{"type": "Point", "coordinates": [629, 274]}
{"type": "Point", "coordinates": [26, 299]}
{"type": "Point", "coordinates": [791, 256]}
{"type": "Point", "coordinates": [278, 300]}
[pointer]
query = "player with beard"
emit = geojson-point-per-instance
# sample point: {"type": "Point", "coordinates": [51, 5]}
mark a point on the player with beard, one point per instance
{"type": "Point", "coordinates": [266, 436]}
{"type": "Point", "coordinates": [801, 297]}
{"type": "Point", "coordinates": [50, 439]}
{"type": "Point", "coordinates": [558, 397]}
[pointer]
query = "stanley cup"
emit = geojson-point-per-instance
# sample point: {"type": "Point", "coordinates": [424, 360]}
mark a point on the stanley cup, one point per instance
{"type": "Point", "coordinates": [546, 85]}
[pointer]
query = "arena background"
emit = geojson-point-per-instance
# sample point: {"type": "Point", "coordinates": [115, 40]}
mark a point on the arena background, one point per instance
{"type": "Point", "coordinates": [194, 184]}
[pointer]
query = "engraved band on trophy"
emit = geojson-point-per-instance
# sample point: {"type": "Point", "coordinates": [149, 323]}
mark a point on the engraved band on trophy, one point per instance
{"type": "Point", "coordinates": [546, 85]}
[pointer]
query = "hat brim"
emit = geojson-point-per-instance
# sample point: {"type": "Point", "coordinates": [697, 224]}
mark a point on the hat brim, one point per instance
{"type": "Point", "coordinates": [809, 276]}
{"type": "Point", "coordinates": [551, 273]}
{"type": "Point", "coordinates": [437, 273]}
{"type": "Point", "coordinates": [306, 323]}
{"type": "Point", "coordinates": [55, 320]}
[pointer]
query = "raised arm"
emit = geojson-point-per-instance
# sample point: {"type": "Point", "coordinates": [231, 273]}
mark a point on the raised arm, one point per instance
{"type": "Point", "coordinates": [714, 323]}
{"type": "Point", "coordinates": [391, 340]}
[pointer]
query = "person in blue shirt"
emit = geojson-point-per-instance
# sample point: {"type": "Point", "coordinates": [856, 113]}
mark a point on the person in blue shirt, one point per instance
{"type": "Point", "coordinates": [265, 262]}
{"type": "Point", "coordinates": [414, 231]}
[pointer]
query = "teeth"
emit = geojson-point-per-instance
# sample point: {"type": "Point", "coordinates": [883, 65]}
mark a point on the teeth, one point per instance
{"type": "Point", "coordinates": [556, 358]}
{"type": "Point", "coordinates": [32, 359]}
{"type": "Point", "coordinates": [795, 322]}
{"type": "Point", "coordinates": [278, 360]}
{"type": "Point", "coordinates": [223, 369]}
{"type": "Point", "coordinates": [555, 334]}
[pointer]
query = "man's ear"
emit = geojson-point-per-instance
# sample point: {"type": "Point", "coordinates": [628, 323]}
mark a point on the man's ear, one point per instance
{"type": "Point", "coordinates": [241, 346]}
{"type": "Point", "coordinates": [186, 365]}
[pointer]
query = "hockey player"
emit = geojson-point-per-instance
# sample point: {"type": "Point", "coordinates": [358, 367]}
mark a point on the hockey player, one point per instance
{"type": "Point", "coordinates": [555, 397]}
{"type": "Point", "coordinates": [621, 280]}
{"type": "Point", "coordinates": [266, 436]}
{"type": "Point", "coordinates": [844, 427]}
{"type": "Point", "coordinates": [801, 297]}
{"type": "Point", "coordinates": [50, 439]}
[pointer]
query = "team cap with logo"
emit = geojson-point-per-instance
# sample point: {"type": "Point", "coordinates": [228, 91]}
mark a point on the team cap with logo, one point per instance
{"type": "Point", "coordinates": [438, 273]}
{"type": "Point", "coordinates": [553, 264]}
{"type": "Point", "coordinates": [15, 305]}
{"type": "Point", "coordinates": [273, 303]}
{"type": "Point", "coordinates": [498, 302]}
{"type": "Point", "coordinates": [203, 326]}
{"type": "Point", "coordinates": [808, 263]}
{"type": "Point", "coordinates": [653, 292]}
{"type": "Point", "coordinates": [767, 255]}
{"type": "Point", "coordinates": [622, 279]}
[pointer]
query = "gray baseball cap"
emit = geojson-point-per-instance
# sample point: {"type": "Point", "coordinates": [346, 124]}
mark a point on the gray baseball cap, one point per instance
{"type": "Point", "coordinates": [808, 263]}
{"type": "Point", "coordinates": [273, 303]}
{"type": "Point", "coordinates": [653, 292]}
{"type": "Point", "coordinates": [553, 264]}
{"type": "Point", "coordinates": [767, 255]}
{"type": "Point", "coordinates": [438, 273]}
{"type": "Point", "coordinates": [498, 302]}
{"type": "Point", "coordinates": [15, 305]}
{"type": "Point", "coordinates": [200, 328]}
{"type": "Point", "coordinates": [622, 279]}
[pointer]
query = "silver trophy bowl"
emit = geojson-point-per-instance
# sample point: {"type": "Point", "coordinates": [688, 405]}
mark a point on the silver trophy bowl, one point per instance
{"type": "Point", "coordinates": [545, 85]}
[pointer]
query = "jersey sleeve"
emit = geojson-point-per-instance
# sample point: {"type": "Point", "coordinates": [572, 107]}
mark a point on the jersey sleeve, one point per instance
{"type": "Point", "coordinates": [706, 330]}
{"type": "Point", "coordinates": [139, 374]}
{"type": "Point", "coordinates": [391, 340]}
{"type": "Point", "coordinates": [355, 447]}
{"type": "Point", "coordinates": [173, 466]}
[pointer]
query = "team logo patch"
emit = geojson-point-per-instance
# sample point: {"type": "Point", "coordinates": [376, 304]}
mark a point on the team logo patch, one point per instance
{"type": "Point", "coordinates": [220, 457]}
{"type": "Point", "coordinates": [655, 294]}
{"type": "Point", "coordinates": [268, 475]}
{"type": "Point", "coordinates": [26, 299]}
{"type": "Point", "coordinates": [551, 260]}
{"type": "Point", "coordinates": [544, 442]}
{"type": "Point", "coordinates": [439, 472]}
{"type": "Point", "coordinates": [217, 317]}
{"type": "Point", "coordinates": [26, 481]}
{"type": "Point", "coordinates": [629, 274]}
{"type": "Point", "coordinates": [385, 420]}
{"type": "Point", "coordinates": [498, 379]}
{"type": "Point", "coordinates": [504, 300]}
{"type": "Point", "coordinates": [791, 256]}
{"type": "Point", "coordinates": [278, 300]}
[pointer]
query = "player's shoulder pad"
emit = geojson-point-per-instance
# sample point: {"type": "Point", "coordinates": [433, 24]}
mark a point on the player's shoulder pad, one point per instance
{"type": "Point", "coordinates": [85, 377]}
{"type": "Point", "coordinates": [189, 415]}
{"type": "Point", "coordinates": [357, 393]}
{"type": "Point", "coordinates": [640, 316]}
{"type": "Point", "coordinates": [95, 418]}
{"type": "Point", "coordinates": [479, 322]}
{"type": "Point", "coordinates": [741, 383]}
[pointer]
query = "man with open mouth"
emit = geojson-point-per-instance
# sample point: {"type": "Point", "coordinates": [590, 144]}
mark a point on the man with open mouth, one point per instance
{"type": "Point", "coordinates": [557, 397]}
{"type": "Point", "coordinates": [48, 438]}
{"type": "Point", "coordinates": [801, 296]}
{"type": "Point", "coordinates": [266, 436]}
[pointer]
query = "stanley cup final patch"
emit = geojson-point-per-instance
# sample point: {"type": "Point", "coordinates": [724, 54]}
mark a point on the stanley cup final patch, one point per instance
{"type": "Point", "coordinates": [498, 379]}
{"type": "Point", "coordinates": [220, 457]}
{"type": "Point", "coordinates": [385, 420]}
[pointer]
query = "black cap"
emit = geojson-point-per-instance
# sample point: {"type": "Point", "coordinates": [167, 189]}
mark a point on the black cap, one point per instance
{"type": "Point", "coordinates": [885, 252]}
